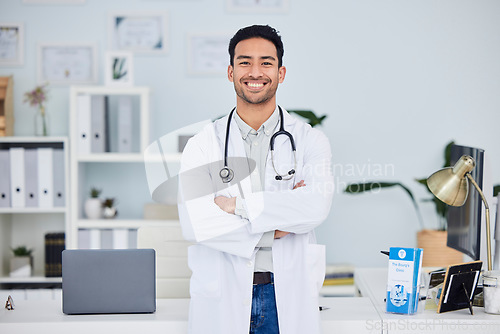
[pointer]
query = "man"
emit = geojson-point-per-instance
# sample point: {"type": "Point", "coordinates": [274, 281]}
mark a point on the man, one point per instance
{"type": "Point", "coordinates": [255, 265]}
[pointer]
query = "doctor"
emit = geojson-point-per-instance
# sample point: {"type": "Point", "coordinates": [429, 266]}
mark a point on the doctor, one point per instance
{"type": "Point", "coordinates": [256, 267]}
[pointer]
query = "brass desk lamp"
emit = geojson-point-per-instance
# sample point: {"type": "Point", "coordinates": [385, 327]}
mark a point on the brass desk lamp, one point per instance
{"type": "Point", "coordinates": [450, 185]}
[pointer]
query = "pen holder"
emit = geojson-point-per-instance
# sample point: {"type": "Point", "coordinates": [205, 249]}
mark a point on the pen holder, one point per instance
{"type": "Point", "coordinates": [491, 291]}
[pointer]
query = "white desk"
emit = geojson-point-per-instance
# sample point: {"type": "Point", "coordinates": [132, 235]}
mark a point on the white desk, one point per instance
{"type": "Point", "coordinates": [372, 282]}
{"type": "Point", "coordinates": [344, 315]}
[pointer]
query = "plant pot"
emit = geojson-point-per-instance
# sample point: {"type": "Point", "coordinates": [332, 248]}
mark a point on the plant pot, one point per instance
{"type": "Point", "coordinates": [436, 253]}
{"type": "Point", "coordinates": [21, 266]}
{"type": "Point", "coordinates": [109, 213]}
{"type": "Point", "coordinates": [93, 208]}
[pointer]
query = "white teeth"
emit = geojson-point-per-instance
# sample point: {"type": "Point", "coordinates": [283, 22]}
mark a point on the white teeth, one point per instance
{"type": "Point", "coordinates": [255, 85]}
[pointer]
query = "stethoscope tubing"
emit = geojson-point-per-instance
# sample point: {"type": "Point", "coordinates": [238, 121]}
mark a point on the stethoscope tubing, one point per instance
{"type": "Point", "coordinates": [227, 173]}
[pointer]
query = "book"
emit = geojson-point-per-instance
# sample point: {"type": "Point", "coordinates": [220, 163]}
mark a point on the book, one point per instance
{"type": "Point", "coordinates": [403, 280]}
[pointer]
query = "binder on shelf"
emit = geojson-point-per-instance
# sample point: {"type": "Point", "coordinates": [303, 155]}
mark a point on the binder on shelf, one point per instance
{"type": "Point", "coordinates": [83, 239]}
{"type": "Point", "coordinates": [120, 238]}
{"type": "Point", "coordinates": [54, 245]}
{"type": "Point", "coordinates": [31, 177]}
{"type": "Point", "coordinates": [132, 238]}
{"type": "Point", "coordinates": [125, 124]}
{"type": "Point", "coordinates": [59, 177]}
{"type": "Point", "coordinates": [95, 239]}
{"type": "Point", "coordinates": [4, 179]}
{"type": "Point", "coordinates": [45, 177]}
{"type": "Point", "coordinates": [83, 108]}
{"type": "Point", "coordinates": [17, 189]}
{"type": "Point", "coordinates": [106, 239]}
{"type": "Point", "coordinates": [97, 121]}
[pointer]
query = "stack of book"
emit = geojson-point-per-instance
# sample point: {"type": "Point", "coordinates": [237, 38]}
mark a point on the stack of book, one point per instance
{"type": "Point", "coordinates": [339, 274]}
{"type": "Point", "coordinates": [54, 245]}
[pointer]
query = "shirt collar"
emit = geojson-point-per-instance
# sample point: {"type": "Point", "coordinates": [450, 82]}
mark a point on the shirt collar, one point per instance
{"type": "Point", "coordinates": [268, 126]}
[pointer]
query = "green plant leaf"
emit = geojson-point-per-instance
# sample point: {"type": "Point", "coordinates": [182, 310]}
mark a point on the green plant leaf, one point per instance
{"type": "Point", "coordinates": [310, 116]}
{"type": "Point", "coordinates": [496, 190]}
{"type": "Point", "coordinates": [357, 188]}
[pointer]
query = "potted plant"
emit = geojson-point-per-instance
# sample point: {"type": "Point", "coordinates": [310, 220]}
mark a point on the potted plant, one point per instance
{"type": "Point", "coordinates": [93, 205]}
{"type": "Point", "coordinates": [21, 265]}
{"type": "Point", "coordinates": [109, 210]}
{"type": "Point", "coordinates": [433, 241]}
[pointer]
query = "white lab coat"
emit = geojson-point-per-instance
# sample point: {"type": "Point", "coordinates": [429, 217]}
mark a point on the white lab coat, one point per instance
{"type": "Point", "coordinates": [222, 259]}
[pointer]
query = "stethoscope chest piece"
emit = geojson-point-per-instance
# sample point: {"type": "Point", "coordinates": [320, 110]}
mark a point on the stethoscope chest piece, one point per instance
{"type": "Point", "coordinates": [226, 174]}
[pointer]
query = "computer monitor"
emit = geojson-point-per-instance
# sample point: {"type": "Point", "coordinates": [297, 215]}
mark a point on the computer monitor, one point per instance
{"type": "Point", "coordinates": [464, 222]}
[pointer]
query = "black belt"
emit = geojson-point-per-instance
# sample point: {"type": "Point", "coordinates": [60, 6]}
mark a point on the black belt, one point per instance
{"type": "Point", "coordinates": [262, 277]}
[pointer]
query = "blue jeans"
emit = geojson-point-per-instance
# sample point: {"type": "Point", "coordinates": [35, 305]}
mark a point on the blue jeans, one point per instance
{"type": "Point", "coordinates": [264, 319]}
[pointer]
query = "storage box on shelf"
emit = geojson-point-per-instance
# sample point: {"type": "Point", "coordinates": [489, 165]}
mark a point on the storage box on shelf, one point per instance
{"type": "Point", "coordinates": [109, 129]}
{"type": "Point", "coordinates": [34, 188]}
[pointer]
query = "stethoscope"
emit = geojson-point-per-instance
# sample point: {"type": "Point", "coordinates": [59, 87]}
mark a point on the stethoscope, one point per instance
{"type": "Point", "coordinates": [227, 174]}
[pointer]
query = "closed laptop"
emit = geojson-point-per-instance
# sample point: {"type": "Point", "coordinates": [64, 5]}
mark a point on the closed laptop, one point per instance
{"type": "Point", "coordinates": [108, 281]}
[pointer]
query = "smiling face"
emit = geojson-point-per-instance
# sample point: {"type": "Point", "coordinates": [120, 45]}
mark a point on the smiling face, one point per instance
{"type": "Point", "coordinates": [255, 73]}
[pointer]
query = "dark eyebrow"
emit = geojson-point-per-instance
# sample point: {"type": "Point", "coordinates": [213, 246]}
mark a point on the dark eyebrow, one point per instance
{"type": "Point", "coordinates": [263, 57]}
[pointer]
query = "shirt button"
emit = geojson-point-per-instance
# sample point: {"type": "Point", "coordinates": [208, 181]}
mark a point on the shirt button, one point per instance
{"type": "Point", "coordinates": [247, 302]}
{"type": "Point", "coordinates": [249, 264]}
{"type": "Point", "coordinates": [255, 144]}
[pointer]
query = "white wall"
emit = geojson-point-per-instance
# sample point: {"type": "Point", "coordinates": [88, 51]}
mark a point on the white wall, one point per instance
{"type": "Point", "coordinates": [388, 73]}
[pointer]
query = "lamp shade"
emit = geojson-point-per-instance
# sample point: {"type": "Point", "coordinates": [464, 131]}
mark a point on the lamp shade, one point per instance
{"type": "Point", "coordinates": [450, 184]}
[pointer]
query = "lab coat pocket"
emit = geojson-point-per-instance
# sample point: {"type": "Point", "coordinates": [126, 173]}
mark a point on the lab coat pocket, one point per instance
{"type": "Point", "coordinates": [205, 264]}
{"type": "Point", "coordinates": [316, 267]}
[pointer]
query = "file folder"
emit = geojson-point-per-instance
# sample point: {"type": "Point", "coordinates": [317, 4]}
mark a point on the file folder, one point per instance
{"type": "Point", "coordinates": [17, 190]}
{"type": "Point", "coordinates": [98, 107]}
{"type": "Point", "coordinates": [83, 108]}
{"type": "Point", "coordinates": [4, 179]}
{"type": "Point", "coordinates": [31, 177]}
{"type": "Point", "coordinates": [59, 177]}
{"type": "Point", "coordinates": [125, 124]}
{"type": "Point", "coordinates": [106, 239]}
{"type": "Point", "coordinates": [120, 238]}
{"type": "Point", "coordinates": [95, 239]}
{"type": "Point", "coordinates": [45, 177]}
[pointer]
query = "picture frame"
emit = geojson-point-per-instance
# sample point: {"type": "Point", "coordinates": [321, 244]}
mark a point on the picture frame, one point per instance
{"type": "Point", "coordinates": [54, 2]}
{"type": "Point", "coordinates": [257, 6]}
{"type": "Point", "coordinates": [11, 44]}
{"type": "Point", "coordinates": [207, 53]}
{"type": "Point", "coordinates": [138, 32]}
{"type": "Point", "coordinates": [67, 64]}
{"type": "Point", "coordinates": [119, 68]}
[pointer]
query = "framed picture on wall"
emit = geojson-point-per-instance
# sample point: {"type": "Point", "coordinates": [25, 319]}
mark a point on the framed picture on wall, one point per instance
{"type": "Point", "coordinates": [11, 44]}
{"type": "Point", "coordinates": [257, 6]}
{"type": "Point", "coordinates": [207, 53]}
{"type": "Point", "coordinates": [140, 33]}
{"type": "Point", "coordinates": [119, 68]}
{"type": "Point", "coordinates": [54, 2]}
{"type": "Point", "coordinates": [66, 64]}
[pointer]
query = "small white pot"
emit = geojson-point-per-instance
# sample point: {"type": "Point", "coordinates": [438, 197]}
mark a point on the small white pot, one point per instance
{"type": "Point", "coordinates": [21, 266]}
{"type": "Point", "coordinates": [93, 208]}
{"type": "Point", "coordinates": [109, 213]}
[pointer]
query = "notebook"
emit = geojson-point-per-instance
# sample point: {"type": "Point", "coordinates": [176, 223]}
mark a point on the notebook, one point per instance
{"type": "Point", "coordinates": [108, 281]}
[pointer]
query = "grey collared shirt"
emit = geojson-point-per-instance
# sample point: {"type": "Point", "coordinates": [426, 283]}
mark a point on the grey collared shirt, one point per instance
{"type": "Point", "coordinates": [257, 147]}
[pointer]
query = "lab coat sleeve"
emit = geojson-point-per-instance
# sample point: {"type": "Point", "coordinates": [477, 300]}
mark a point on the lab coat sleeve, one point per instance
{"type": "Point", "coordinates": [302, 209]}
{"type": "Point", "coordinates": [202, 221]}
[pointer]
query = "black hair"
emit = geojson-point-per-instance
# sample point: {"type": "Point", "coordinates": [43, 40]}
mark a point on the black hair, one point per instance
{"type": "Point", "coordinates": [259, 31]}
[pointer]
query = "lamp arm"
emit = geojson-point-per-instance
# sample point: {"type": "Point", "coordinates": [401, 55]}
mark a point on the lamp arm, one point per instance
{"type": "Point", "coordinates": [487, 212]}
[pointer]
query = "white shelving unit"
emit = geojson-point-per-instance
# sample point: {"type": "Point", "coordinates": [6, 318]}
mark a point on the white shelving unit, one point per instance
{"type": "Point", "coordinates": [28, 225]}
{"type": "Point", "coordinates": [118, 174]}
